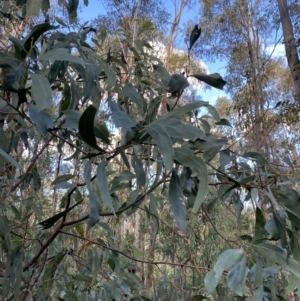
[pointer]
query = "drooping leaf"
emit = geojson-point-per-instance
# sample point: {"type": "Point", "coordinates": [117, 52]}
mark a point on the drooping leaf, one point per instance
{"type": "Point", "coordinates": [259, 224]}
{"type": "Point", "coordinates": [177, 83]}
{"type": "Point", "coordinates": [163, 141]}
{"type": "Point", "coordinates": [95, 205]}
{"type": "Point", "coordinates": [41, 91]}
{"type": "Point", "coordinates": [72, 119]}
{"type": "Point", "coordinates": [70, 296]}
{"type": "Point", "coordinates": [210, 153]}
{"type": "Point", "coordinates": [272, 253]}
{"type": "Point", "coordinates": [260, 158]}
{"type": "Point", "coordinates": [223, 121]}
{"type": "Point", "coordinates": [131, 92]}
{"type": "Point", "coordinates": [215, 80]}
{"type": "Point", "coordinates": [41, 119]}
{"type": "Point", "coordinates": [225, 157]}
{"type": "Point", "coordinates": [36, 181]}
{"type": "Point", "coordinates": [49, 222]}
{"type": "Point", "coordinates": [101, 131]}
{"type": "Point", "coordinates": [226, 260]}
{"type": "Point", "coordinates": [8, 158]}
{"type": "Point", "coordinates": [62, 178]}
{"type": "Point", "coordinates": [194, 36]}
{"type": "Point", "coordinates": [120, 117]}
{"type": "Point", "coordinates": [60, 54]}
{"type": "Point", "coordinates": [236, 278]}
{"type": "Point", "coordinates": [103, 185]}
{"type": "Point", "coordinates": [210, 281]}
{"type": "Point", "coordinates": [176, 200]}
{"type": "Point", "coordinates": [138, 167]}
{"type": "Point", "coordinates": [86, 127]}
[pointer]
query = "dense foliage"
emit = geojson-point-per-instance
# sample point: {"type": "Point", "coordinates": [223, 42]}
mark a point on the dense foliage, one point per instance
{"type": "Point", "coordinates": [107, 196]}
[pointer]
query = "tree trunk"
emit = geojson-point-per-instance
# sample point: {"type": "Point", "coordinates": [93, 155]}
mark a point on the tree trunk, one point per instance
{"type": "Point", "coordinates": [290, 45]}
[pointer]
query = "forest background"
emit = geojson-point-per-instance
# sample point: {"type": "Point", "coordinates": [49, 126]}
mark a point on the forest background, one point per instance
{"type": "Point", "coordinates": [130, 169]}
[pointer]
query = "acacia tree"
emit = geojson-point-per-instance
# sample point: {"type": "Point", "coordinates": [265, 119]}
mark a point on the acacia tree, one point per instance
{"type": "Point", "coordinates": [60, 99]}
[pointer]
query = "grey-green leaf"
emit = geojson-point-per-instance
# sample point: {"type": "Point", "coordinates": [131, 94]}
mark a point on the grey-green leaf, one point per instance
{"type": "Point", "coordinates": [41, 91]}
{"type": "Point", "coordinates": [176, 200]}
{"type": "Point", "coordinates": [215, 80]}
{"type": "Point", "coordinates": [60, 54]}
{"type": "Point", "coordinates": [177, 83]}
{"type": "Point", "coordinates": [10, 159]}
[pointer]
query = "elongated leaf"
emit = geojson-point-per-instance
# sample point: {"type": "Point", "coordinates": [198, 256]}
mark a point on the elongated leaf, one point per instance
{"type": "Point", "coordinates": [10, 159]}
{"type": "Point", "coordinates": [211, 152]}
{"type": "Point", "coordinates": [33, 7]}
{"type": "Point", "coordinates": [163, 141]}
{"type": "Point", "coordinates": [41, 91]}
{"type": "Point", "coordinates": [177, 83]}
{"type": "Point", "coordinates": [95, 205]}
{"type": "Point", "coordinates": [210, 281]}
{"type": "Point", "coordinates": [226, 260]}
{"type": "Point", "coordinates": [60, 54]}
{"type": "Point", "coordinates": [101, 131]}
{"type": "Point", "coordinates": [259, 224]}
{"type": "Point", "coordinates": [176, 200]}
{"type": "Point", "coordinates": [260, 158]}
{"type": "Point", "coordinates": [258, 295]}
{"type": "Point", "coordinates": [272, 253]}
{"type": "Point", "coordinates": [72, 119]}
{"type": "Point", "coordinates": [62, 178]}
{"type": "Point", "coordinates": [131, 92]}
{"type": "Point", "coordinates": [187, 158]}
{"type": "Point", "coordinates": [215, 80]}
{"type": "Point", "coordinates": [178, 112]}
{"type": "Point", "coordinates": [49, 222]}
{"type": "Point", "coordinates": [138, 167]}
{"type": "Point", "coordinates": [119, 116]}
{"type": "Point", "coordinates": [177, 129]}
{"type": "Point", "coordinates": [194, 36]}
{"type": "Point", "coordinates": [41, 119]}
{"type": "Point", "coordinates": [103, 185]}
{"type": "Point", "coordinates": [86, 127]}
{"type": "Point", "coordinates": [70, 296]}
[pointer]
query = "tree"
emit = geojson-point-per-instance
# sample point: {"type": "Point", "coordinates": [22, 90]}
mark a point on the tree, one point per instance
{"type": "Point", "coordinates": [290, 44]}
{"type": "Point", "coordinates": [67, 108]}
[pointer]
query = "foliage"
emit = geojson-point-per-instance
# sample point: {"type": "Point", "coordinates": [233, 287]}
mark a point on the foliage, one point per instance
{"type": "Point", "coordinates": [98, 187]}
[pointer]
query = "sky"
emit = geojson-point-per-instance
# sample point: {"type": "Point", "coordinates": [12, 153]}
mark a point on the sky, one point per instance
{"type": "Point", "coordinates": [96, 7]}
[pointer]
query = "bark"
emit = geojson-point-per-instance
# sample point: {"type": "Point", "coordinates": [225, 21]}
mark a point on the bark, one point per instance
{"type": "Point", "coordinates": [290, 45]}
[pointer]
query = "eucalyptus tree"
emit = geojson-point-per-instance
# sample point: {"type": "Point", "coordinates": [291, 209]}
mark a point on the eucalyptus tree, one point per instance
{"type": "Point", "coordinates": [65, 98]}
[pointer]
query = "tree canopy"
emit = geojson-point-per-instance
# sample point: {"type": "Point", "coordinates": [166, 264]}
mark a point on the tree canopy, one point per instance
{"type": "Point", "coordinates": [119, 182]}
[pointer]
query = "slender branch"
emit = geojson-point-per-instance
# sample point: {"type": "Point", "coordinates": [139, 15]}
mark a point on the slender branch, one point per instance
{"type": "Point", "coordinates": [133, 258]}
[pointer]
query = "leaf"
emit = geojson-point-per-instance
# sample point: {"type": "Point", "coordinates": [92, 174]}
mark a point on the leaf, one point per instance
{"type": "Point", "coordinates": [260, 158]}
{"type": "Point", "coordinates": [181, 111]}
{"type": "Point", "coordinates": [86, 127]}
{"type": "Point", "coordinates": [10, 159]}
{"type": "Point", "coordinates": [236, 278]}
{"type": "Point", "coordinates": [72, 119]}
{"type": "Point", "coordinates": [272, 253]}
{"type": "Point", "coordinates": [258, 296]}
{"type": "Point", "coordinates": [62, 178]}
{"type": "Point", "coordinates": [41, 119]}
{"type": "Point", "coordinates": [226, 260]}
{"type": "Point", "coordinates": [225, 157]}
{"type": "Point", "coordinates": [177, 129]}
{"type": "Point", "coordinates": [215, 80]}
{"type": "Point", "coordinates": [131, 92]}
{"type": "Point", "coordinates": [70, 296]}
{"type": "Point", "coordinates": [177, 83]}
{"type": "Point", "coordinates": [213, 112]}
{"type": "Point", "coordinates": [41, 91]}
{"type": "Point", "coordinates": [33, 7]}
{"type": "Point", "coordinates": [138, 167]}
{"type": "Point", "coordinates": [187, 158]}
{"type": "Point", "coordinates": [176, 200]}
{"type": "Point", "coordinates": [101, 131]}
{"type": "Point", "coordinates": [49, 222]}
{"type": "Point", "coordinates": [60, 54]}
{"type": "Point", "coordinates": [210, 153]}
{"type": "Point", "coordinates": [120, 117]}
{"type": "Point", "coordinates": [195, 34]}
{"type": "Point", "coordinates": [259, 224]}
{"type": "Point", "coordinates": [163, 141]}
{"type": "Point", "coordinates": [223, 121]}
{"type": "Point", "coordinates": [36, 181]}
{"type": "Point", "coordinates": [199, 298]}
{"type": "Point", "coordinates": [210, 281]}
{"type": "Point", "coordinates": [35, 33]}
{"type": "Point", "coordinates": [50, 270]}
{"type": "Point", "coordinates": [95, 205]}
{"type": "Point", "coordinates": [103, 185]}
